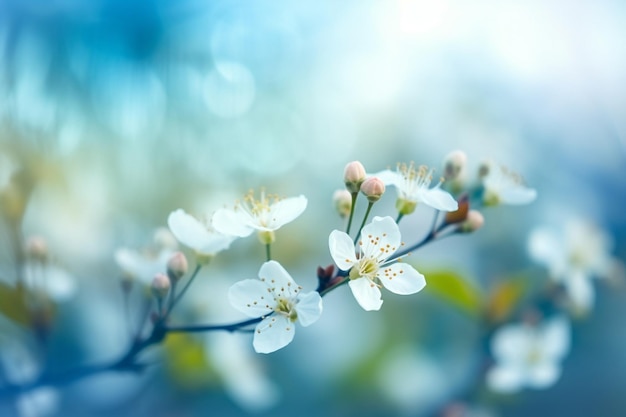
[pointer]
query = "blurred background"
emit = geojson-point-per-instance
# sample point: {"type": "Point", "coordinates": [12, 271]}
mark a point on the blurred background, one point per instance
{"type": "Point", "coordinates": [118, 112]}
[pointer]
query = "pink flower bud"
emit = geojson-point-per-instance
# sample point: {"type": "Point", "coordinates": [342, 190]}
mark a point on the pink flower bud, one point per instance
{"type": "Point", "coordinates": [353, 176]}
{"type": "Point", "coordinates": [160, 286]}
{"type": "Point", "coordinates": [473, 222]}
{"type": "Point", "coordinates": [177, 266]}
{"type": "Point", "coordinates": [37, 248]}
{"type": "Point", "coordinates": [373, 188]}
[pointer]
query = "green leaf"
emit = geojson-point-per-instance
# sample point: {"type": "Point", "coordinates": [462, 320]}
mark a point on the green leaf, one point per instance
{"type": "Point", "coordinates": [505, 296]}
{"type": "Point", "coordinates": [186, 362]}
{"type": "Point", "coordinates": [454, 289]}
{"type": "Point", "coordinates": [13, 304]}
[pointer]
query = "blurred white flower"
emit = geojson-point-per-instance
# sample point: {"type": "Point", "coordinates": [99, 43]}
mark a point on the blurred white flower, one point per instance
{"type": "Point", "coordinates": [528, 355]}
{"type": "Point", "coordinates": [42, 275]}
{"type": "Point", "coordinates": [573, 257]}
{"type": "Point", "coordinates": [277, 299]}
{"type": "Point", "coordinates": [145, 263]}
{"type": "Point", "coordinates": [370, 266]}
{"type": "Point", "coordinates": [413, 187]}
{"type": "Point", "coordinates": [49, 279]}
{"type": "Point", "coordinates": [412, 380]}
{"type": "Point", "coordinates": [197, 235]}
{"type": "Point", "coordinates": [241, 373]}
{"type": "Point", "coordinates": [502, 186]}
{"type": "Point", "coordinates": [265, 215]}
{"type": "Point", "coordinates": [20, 367]}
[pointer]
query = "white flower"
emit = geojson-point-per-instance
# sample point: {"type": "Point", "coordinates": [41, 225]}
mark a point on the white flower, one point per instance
{"type": "Point", "coordinates": [504, 187]}
{"type": "Point", "coordinates": [573, 257]}
{"type": "Point", "coordinates": [371, 266]}
{"type": "Point", "coordinates": [144, 264]}
{"type": "Point", "coordinates": [528, 356]}
{"type": "Point", "coordinates": [265, 215]}
{"type": "Point", "coordinates": [276, 298]}
{"type": "Point", "coordinates": [413, 188]}
{"type": "Point", "coordinates": [197, 235]}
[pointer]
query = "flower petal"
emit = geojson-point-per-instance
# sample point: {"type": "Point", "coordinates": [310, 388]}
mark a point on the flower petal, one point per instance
{"type": "Point", "coordinates": [278, 280]}
{"type": "Point", "coordinates": [380, 238]}
{"type": "Point", "coordinates": [286, 211]}
{"type": "Point", "coordinates": [251, 297]}
{"type": "Point", "coordinates": [510, 341]}
{"type": "Point", "coordinates": [341, 249]}
{"type": "Point", "coordinates": [505, 378]}
{"type": "Point", "coordinates": [389, 177]}
{"type": "Point", "coordinates": [192, 233]}
{"type": "Point", "coordinates": [232, 222]}
{"type": "Point", "coordinates": [543, 374]}
{"type": "Point", "coordinates": [439, 199]}
{"type": "Point", "coordinates": [401, 278]}
{"type": "Point", "coordinates": [309, 308]}
{"type": "Point", "coordinates": [60, 285]}
{"type": "Point", "coordinates": [273, 333]}
{"type": "Point", "coordinates": [580, 290]}
{"type": "Point", "coordinates": [557, 337]}
{"type": "Point", "coordinates": [367, 293]}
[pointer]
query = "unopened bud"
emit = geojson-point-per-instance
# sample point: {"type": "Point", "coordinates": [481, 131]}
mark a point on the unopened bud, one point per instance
{"type": "Point", "coordinates": [160, 286]}
{"type": "Point", "coordinates": [37, 248]}
{"type": "Point", "coordinates": [473, 222]}
{"type": "Point", "coordinates": [353, 176]}
{"type": "Point", "coordinates": [342, 200]}
{"type": "Point", "coordinates": [373, 188]}
{"type": "Point", "coordinates": [177, 266]}
{"type": "Point", "coordinates": [453, 165]}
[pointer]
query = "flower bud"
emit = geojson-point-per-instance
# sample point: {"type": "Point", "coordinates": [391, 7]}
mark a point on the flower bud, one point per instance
{"type": "Point", "coordinates": [342, 200]}
{"type": "Point", "coordinates": [353, 176]}
{"type": "Point", "coordinates": [473, 222]}
{"type": "Point", "coordinates": [160, 286]}
{"type": "Point", "coordinates": [37, 248]}
{"type": "Point", "coordinates": [373, 188]}
{"type": "Point", "coordinates": [177, 266]}
{"type": "Point", "coordinates": [453, 165]}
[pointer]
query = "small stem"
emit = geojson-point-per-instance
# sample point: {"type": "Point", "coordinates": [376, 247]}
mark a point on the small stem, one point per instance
{"type": "Point", "coordinates": [354, 196]}
{"type": "Point", "coordinates": [400, 216]}
{"type": "Point", "coordinates": [338, 283]}
{"type": "Point", "coordinates": [434, 225]}
{"type": "Point", "coordinates": [267, 252]}
{"type": "Point", "coordinates": [367, 213]}
{"type": "Point", "coordinates": [177, 298]}
{"type": "Point", "coordinates": [171, 297]}
{"type": "Point", "coordinates": [213, 327]}
{"type": "Point", "coordinates": [126, 294]}
{"type": "Point", "coordinates": [145, 313]}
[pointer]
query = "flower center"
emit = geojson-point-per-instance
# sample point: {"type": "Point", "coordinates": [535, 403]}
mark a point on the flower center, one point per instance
{"type": "Point", "coordinates": [259, 209]}
{"type": "Point", "coordinates": [414, 178]}
{"type": "Point", "coordinates": [367, 267]}
{"type": "Point", "coordinates": [286, 308]}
